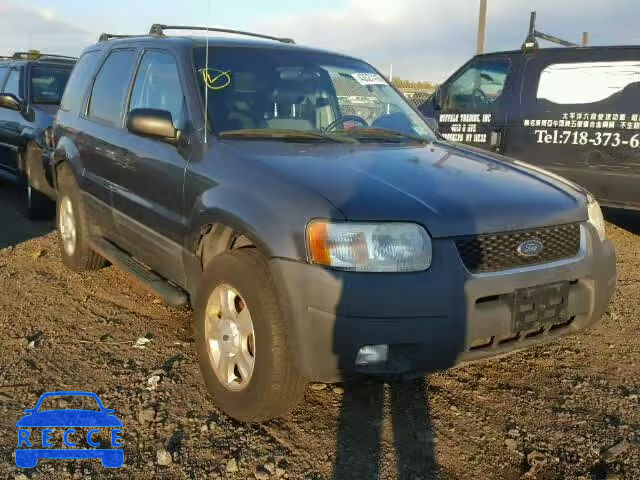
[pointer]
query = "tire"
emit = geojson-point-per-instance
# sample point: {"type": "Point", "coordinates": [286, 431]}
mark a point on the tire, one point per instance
{"type": "Point", "coordinates": [275, 386]}
{"type": "Point", "coordinates": [69, 207]}
{"type": "Point", "coordinates": [39, 206]}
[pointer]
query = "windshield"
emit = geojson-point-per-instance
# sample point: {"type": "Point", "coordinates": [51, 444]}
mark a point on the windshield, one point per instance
{"type": "Point", "coordinates": [283, 94]}
{"type": "Point", "coordinates": [47, 84]}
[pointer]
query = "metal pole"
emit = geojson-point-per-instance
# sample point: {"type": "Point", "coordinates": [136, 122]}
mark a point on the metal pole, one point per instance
{"type": "Point", "coordinates": [482, 24]}
{"type": "Point", "coordinates": [585, 39]}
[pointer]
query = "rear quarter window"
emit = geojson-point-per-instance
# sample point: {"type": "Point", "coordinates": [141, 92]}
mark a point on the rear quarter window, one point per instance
{"type": "Point", "coordinates": [76, 88]}
{"type": "Point", "coordinates": [588, 82]}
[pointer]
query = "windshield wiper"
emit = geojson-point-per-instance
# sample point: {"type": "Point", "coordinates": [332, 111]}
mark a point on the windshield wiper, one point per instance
{"type": "Point", "coordinates": [283, 134]}
{"type": "Point", "coordinates": [383, 134]}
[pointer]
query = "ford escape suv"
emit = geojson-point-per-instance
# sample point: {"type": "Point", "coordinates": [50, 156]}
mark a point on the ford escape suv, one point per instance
{"type": "Point", "coordinates": [31, 85]}
{"type": "Point", "coordinates": [316, 224]}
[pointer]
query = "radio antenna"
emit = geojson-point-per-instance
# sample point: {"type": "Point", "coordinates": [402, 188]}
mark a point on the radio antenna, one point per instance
{"type": "Point", "coordinates": [205, 74]}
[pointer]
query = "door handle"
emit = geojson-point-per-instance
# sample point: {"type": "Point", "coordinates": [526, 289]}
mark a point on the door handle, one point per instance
{"type": "Point", "coordinates": [495, 139]}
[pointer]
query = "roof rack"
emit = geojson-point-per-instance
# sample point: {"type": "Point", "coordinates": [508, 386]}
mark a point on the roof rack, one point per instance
{"type": "Point", "coordinates": [531, 43]}
{"type": "Point", "coordinates": [158, 29]}
{"type": "Point", "coordinates": [40, 56]}
{"type": "Point", "coordinates": [104, 37]}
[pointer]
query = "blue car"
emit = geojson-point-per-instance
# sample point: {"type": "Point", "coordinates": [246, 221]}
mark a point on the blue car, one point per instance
{"type": "Point", "coordinates": [68, 418]}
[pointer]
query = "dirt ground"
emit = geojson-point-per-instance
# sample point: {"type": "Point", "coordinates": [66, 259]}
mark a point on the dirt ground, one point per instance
{"type": "Point", "coordinates": [569, 409]}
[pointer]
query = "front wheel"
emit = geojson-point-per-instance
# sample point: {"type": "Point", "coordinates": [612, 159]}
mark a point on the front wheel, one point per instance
{"type": "Point", "coordinates": [244, 349]}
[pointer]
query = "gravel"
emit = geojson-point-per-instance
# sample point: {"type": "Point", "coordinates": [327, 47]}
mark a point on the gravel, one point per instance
{"type": "Point", "coordinates": [565, 410]}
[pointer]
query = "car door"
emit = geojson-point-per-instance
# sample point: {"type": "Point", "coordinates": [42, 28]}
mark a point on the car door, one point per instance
{"type": "Point", "coordinates": [11, 122]}
{"type": "Point", "coordinates": [472, 106]}
{"type": "Point", "coordinates": [101, 138]}
{"type": "Point", "coordinates": [577, 113]}
{"type": "Point", "coordinates": [148, 194]}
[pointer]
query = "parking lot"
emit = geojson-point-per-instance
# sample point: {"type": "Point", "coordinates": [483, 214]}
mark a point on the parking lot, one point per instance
{"type": "Point", "coordinates": [564, 410]}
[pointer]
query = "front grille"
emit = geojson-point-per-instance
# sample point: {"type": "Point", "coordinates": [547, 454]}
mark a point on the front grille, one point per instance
{"type": "Point", "coordinates": [499, 251]}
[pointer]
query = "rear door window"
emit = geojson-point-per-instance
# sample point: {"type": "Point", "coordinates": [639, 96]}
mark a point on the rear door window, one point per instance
{"type": "Point", "coordinates": [158, 86]}
{"type": "Point", "coordinates": [47, 84]}
{"type": "Point", "coordinates": [111, 86]}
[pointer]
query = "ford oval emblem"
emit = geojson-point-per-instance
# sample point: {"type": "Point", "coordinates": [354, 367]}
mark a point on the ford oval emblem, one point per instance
{"type": "Point", "coordinates": [530, 248]}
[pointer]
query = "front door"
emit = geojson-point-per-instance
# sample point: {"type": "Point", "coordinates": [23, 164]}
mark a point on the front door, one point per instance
{"type": "Point", "coordinates": [472, 106]}
{"type": "Point", "coordinates": [148, 194]}
{"type": "Point", "coordinates": [578, 114]}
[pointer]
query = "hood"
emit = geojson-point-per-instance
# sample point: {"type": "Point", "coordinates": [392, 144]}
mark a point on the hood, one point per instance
{"type": "Point", "coordinates": [449, 189]}
{"type": "Point", "coordinates": [69, 418]}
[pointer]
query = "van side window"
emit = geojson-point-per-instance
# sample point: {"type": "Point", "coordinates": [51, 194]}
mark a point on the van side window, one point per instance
{"type": "Point", "coordinates": [74, 93]}
{"type": "Point", "coordinates": [13, 83]}
{"type": "Point", "coordinates": [479, 87]}
{"type": "Point", "coordinates": [157, 85]}
{"type": "Point", "coordinates": [587, 82]}
{"type": "Point", "coordinates": [110, 87]}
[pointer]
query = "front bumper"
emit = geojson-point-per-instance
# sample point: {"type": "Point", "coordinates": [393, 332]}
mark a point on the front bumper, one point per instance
{"type": "Point", "coordinates": [431, 320]}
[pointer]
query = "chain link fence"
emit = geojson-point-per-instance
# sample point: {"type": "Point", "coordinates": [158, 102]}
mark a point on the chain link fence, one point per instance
{"type": "Point", "coordinates": [357, 99]}
{"type": "Point", "coordinates": [417, 96]}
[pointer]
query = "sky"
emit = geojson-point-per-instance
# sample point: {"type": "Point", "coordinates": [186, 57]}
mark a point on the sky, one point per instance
{"type": "Point", "coordinates": [422, 39]}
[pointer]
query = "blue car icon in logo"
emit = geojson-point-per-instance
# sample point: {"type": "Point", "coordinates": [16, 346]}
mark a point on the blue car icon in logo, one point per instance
{"type": "Point", "coordinates": [61, 443]}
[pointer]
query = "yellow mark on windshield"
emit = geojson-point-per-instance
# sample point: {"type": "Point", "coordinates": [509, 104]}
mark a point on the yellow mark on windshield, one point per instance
{"type": "Point", "coordinates": [216, 79]}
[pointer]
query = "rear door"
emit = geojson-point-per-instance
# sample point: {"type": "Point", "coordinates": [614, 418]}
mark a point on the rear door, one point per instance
{"type": "Point", "coordinates": [577, 113]}
{"type": "Point", "coordinates": [101, 138]}
{"type": "Point", "coordinates": [148, 186]}
{"type": "Point", "coordinates": [11, 122]}
{"type": "Point", "coordinates": [472, 106]}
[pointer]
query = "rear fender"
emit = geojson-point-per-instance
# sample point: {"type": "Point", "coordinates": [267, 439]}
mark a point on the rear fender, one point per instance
{"type": "Point", "coordinates": [66, 152]}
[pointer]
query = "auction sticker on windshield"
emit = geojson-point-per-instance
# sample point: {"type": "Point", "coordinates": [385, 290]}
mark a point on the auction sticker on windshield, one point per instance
{"type": "Point", "coordinates": [369, 78]}
{"type": "Point", "coordinates": [80, 428]}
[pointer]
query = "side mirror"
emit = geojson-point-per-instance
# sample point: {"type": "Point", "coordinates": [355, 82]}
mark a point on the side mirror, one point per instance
{"type": "Point", "coordinates": [10, 101]}
{"type": "Point", "coordinates": [433, 124]}
{"type": "Point", "coordinates": [152, 122]}
{"type": "Point", "coordinates": [30, 410]}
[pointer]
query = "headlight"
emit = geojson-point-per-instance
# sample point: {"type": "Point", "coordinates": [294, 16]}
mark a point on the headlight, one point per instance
{"type": "Point", "coordinates": [369, 247]}
{"type": "Point", "coordinates": [595, 217]}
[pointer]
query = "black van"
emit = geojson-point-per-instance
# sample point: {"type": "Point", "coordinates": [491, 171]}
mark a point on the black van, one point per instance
{"type": "Point", "coordinates": [574, 111]}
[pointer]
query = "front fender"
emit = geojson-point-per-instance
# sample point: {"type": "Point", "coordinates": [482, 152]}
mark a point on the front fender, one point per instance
{"type": "Point", "coordinates": [274, 221]}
